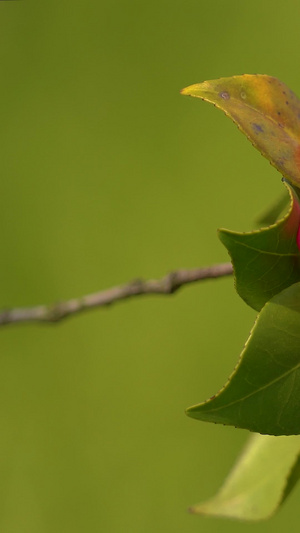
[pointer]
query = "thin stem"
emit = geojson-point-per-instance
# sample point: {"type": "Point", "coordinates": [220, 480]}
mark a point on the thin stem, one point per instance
{"type": "Point", "coordinates": [166, 285]}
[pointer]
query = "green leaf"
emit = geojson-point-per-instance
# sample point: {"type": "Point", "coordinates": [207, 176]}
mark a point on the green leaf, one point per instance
{"type": "Point", "coordinates": [266, 110]}
{"type": "Point", "coordinates": [263, 393]}
{"type": "Point", "coordinates": [259, 481]}
{"type": "Point", "coordinates": [265, 261]}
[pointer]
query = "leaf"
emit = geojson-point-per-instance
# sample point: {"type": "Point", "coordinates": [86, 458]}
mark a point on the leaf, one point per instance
{"type": "Point", "coordinates": [263, 393]}
{"type": "Point", "coordinates": [265, 261]}
{"type": "Point", "coordinates": [266, 110]}
{"type": "Point", "coordinates": [259, 481]}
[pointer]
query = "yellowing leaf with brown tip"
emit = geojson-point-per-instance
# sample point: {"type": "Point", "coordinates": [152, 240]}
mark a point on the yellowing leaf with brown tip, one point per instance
{"type": "Point", "coordinates": [265, 110]}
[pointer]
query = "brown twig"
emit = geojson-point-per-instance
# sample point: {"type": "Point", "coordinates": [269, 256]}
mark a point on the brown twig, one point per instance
{"type": "Point", "coordinates": [167, 285]}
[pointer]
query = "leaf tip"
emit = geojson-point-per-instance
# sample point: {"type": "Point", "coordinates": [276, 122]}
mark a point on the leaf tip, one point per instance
{"type": "Point", "coordinates": [193, 90]}
{"type": "Point", "coordinates": [186, 91]}
{"type": "Point", "coordinates": [188, 411]}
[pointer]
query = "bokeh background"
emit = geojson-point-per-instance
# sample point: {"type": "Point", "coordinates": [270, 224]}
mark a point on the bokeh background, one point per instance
{"type": "Point", "coordinates": [108, 174]}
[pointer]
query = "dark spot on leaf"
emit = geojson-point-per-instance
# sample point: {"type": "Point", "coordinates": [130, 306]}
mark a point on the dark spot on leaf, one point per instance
{"type": "Point", "coordinates": [224, 95]}
{"type": "Point", "coordinates": [257, 128]}
{"type": "Point", "coordinates": [278, 113]}
{"type": "Point", "coordinates": [287, 103]}
{"type": "Point", "coordinates": [281, 162]}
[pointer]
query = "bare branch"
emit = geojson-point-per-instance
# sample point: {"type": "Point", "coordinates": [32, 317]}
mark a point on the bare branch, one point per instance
{"type": "Point", "coordinates": [167, 285]}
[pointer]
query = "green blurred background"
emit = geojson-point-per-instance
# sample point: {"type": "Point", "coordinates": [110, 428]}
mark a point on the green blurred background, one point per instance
{"type": "Point", "coordinates": [108, 174]}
